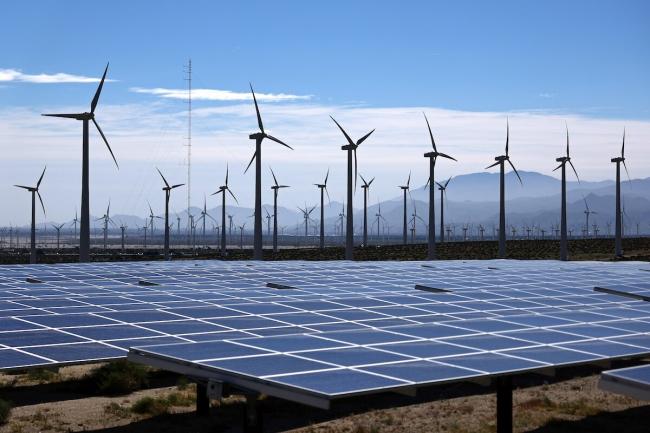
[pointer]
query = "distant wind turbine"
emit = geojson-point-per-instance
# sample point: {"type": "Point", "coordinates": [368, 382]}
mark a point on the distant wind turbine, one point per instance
{"type": "Point", "coordinates": [276, 188]}
{"type": "Point", "coordinates": [257, 156]}
{"type": "Point", "coordinates": [619, 216]}
{"type": "Point", "coordinates": [564, 249]}
{"type": "Point", "coordinates": [323, 190]}
{"type": "Point", "coordinates": [222, 190]}
{"type": "Point", "coordinates": [205, 215]}
{"type": "Point", "coordinates": [365, 187]}
{"type": "Point", "coordinates": [351, 149]}
{"type": "Point", "coordinates": [58, 234]}
{"type": "Point", "coordinates": [433, 157]}
{"type": "Point", "coordinates": [405, 189]}
{"type": "Point", "coordinates": [501, 162]}
{"type": "Point", "coordinates": [168, 190]}
{"type": "Point", "coordinates": [84, 231]}
{"type": "Point", "coordinates": [34, 191]}
{"type": "Point", "coordinates": [306, 213]}
{"type": "Point", "coordinates": [443, 192]}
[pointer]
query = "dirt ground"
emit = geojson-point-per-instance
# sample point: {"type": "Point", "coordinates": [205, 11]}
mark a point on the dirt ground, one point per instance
{"type": "Point", "coordinates": [44, 404]}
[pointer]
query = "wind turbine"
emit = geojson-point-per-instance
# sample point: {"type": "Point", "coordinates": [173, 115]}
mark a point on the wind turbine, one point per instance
{"type": "Point", "coordinates": [619, 216]}
{"type": "Point", "coordinates": [564, 250]}
{"type": "Point", "coordinates": [34, 191]}
{"type": "Point", "coordinates": [414, 219]}
{"type": "Point", "coordinates": [351, 148]}
{"type": "Point", "coordinates": [152, 217]}
{"type": "Point", "coordinates": [74, 222]}
{"type": "Point", "coordinates": [405, 189]}
{"type": "Point", "coordinates": [588, 212]}
{"type": "Point", "coordinates": [268, 222]}
{"type": "Point", "coordinates": [276, 188]}
{"type": "Point", "coordinates": [123, 228]}
{"type": "Point", "coordinates": [501, 162]}
{"type": "Point", "coordinates": [204, 215]}
{"type": "Point", "coordinates": [107, 219]}
{"type": "Point", "coordinates": [365, 187]}
{"type": "Point", "coordinates": [58, 234]}
{"type": "Point", "coordinates": [257, 156]}
{"type": "Point", "coordinates": [306, 214]}
{"type": "Point", "coordinates": [86, 117]}
{"type": "Point", "coordinates": [323, 190]}
{"type": "Point", "coordinates": [379, 217]}
{"type": "Point", "coordinates": [443, 192]}
{"type": "Point", "coordinates": [168, 190]}
{"type": "Point", "coordinates": [241, 236]}
{"type": "Point", "coordinates": [433, 157]}
{"type": "Point", "coordinates": [222, 190]}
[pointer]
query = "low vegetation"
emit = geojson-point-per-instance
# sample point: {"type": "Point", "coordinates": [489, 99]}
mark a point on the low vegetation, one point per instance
{"type": "Point", "coordinates": [154, 406]}
{"type": "Point", "coordinates": [5, 411]}
{"type": "Point", "coordinates": [119, 377]}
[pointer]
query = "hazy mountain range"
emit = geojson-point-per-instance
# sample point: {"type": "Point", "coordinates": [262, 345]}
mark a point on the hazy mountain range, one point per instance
{"type": "Point", "coordinates": [472, 199]}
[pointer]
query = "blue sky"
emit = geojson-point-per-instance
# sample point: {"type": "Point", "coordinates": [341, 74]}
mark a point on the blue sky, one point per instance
{"type": "Point", "coordinates": [373, 64]}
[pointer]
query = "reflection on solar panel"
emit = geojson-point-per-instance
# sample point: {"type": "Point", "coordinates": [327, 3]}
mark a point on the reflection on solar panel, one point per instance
{"type": "Point", "coordinates": [632, 381]}
{"type": "Point", "coordinates": [341, 328]}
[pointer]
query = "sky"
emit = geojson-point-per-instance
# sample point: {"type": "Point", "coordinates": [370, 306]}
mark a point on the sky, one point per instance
{"type": "Point", "coordinates": [379, 65]}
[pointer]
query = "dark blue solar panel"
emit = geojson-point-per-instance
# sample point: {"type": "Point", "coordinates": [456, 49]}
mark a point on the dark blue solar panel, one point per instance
{"type": "Point", "coordinates": [422, 371]}
{"type": "Point", "coordinates": [492, 363]}
{"type": "Point", "coordinates": [268, 365]}
{"type": "Point", "coordinates": [197, 352]}
{"type": "Point", "coordinates": [75, 352]}
{"type": "Point", "coordinates": [339, 381]}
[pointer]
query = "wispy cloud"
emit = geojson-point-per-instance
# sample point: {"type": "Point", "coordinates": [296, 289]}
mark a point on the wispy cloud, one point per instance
{"type": "Point", "coordinates": [546, 95]}
{"type": "Point", "coordinates": [16, 75]}
{"type": "Point", "coordinates": [218, 94]}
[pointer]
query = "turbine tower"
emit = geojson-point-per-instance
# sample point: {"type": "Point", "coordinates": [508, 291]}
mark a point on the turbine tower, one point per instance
{"type": "Point", "coordinates": [58, 234]}
{"type": "Point", "coordinates": [443, 193]}
{"type": "Point", "coordinates": [202, 218]}
{"type": "Point", "coordinates": [564, 250]}
{"type": "Point", "coordinates": [34, 191]}
{"type": "Point", "coordinates": [405, 189]}
{"type": "Point", "coordinates": [222, 190]}
{"type": "Point", "coordinates": [323, 190]}
{"type": "Point", "coordinates": [588, 212]}
{"type": "Point", "coordinates": [257, 156]}
{"type": "Point", "coordinates": [501, 162]}
{"type": "Point", "coordinates": [433, 157]}
{"type": "Point", "coordinates": [351, 149]}
{"type": "Point", "coordinates": [365, 187]}
{"type": "Point", "coordinates": [306, 213]}
{"type": "Point", "coordinates": [84, 228]}
{"type": "Point", "coordinates": [619, 216]}
{"type": "Point", "coordinates": [276, 187]}
{"type": "Point", "coordinates": [168, 190]}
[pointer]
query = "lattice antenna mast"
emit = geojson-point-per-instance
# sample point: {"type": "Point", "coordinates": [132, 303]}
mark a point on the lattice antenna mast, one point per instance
{"type": "Point", "coordinates": [188, 71]}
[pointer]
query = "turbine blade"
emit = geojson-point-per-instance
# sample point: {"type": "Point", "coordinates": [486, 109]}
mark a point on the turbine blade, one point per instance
{"type": "Point", "coordinates": [226, 174]}
{"type": "Point", "coordinates": [363, 180]}
{"type": "Point", "coordinates": [328, 196]}
{"type": "Point", "coordinates": [439, 185]}
{"type": "Point", "coordinates": [507, 135]}
{"type": "Point", "coordinates": [106, 141]}
{"type": "Point", "coordinates": [272, 138]}
{"type": "Point", "coordinates": [362, 139]}
{"type": "Point", "coordinates": [95, 100]}
{"type": "Point", "coordinates": [567, 140]}
{"type": "Point", "coordinates": [444, 155]}
{"type": "Point", "coordinates": [575, 171]}
{"type": "Point", "coordinates": [327, 176]}
{"type": "Point", "coordinates": [447, 183]}
{"type": "Point", "coordinates": [217, 192]}
{"type": "Point", "coordinates": [558, 167]}
{"type": "Point", "coordinates": [516, 172]}
{"type": "Point", "coordinates": [493, 165]}
{"type": "Point", "coordinates": [355, 168]}
{"type": "Point", "coordinates": [233, 195]}
{"type": "Point", "coordinates": [627, 172]}
{"type": "Point", "coordinates": [41, 178]}
{"type": "Point", "coordinates": [371, 181]}
{"type": "Point", "coordinates": [408, 181]}
{"type": "Point", "coordinates": [177, 185]}
{"type": "Point", "coordinates": [41, 200]}
{"type": "Point", "coordinates": [275, 180]}
{"type": "Point", "coordinates": [163, 178]}
{"type": "Point", "coordinates": [433, 142]}
{"type": "Point", "coordinates": [347, 137]}
{"type": "Point", "coordinates": [257, 110]}
{"type": "Point", "coordinates": [249, 164]}
{"type": "Point", "coordinates": [66, 116]}
{"type": "Point", "coordinates": [623, 146]}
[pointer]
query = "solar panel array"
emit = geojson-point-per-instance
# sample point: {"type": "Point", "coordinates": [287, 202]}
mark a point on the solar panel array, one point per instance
{"type": "Point", "coordinates": [332, 328]}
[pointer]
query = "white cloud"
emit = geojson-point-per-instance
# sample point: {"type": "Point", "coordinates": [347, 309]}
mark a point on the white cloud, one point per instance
{"type": "Point", "coordinates": [8, 75]}
{"type": "Point", "coordinates": [218, 95]}
{"type": "Point", "coordinates": [546, 95]}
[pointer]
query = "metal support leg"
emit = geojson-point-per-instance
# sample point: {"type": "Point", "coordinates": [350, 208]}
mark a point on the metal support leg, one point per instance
{"type": "Point", "coordinates": [252, 415]}
{"type": "Point", "coordinates": [202, 400]}
{"type": "Point", "coordinates": [504, 404]}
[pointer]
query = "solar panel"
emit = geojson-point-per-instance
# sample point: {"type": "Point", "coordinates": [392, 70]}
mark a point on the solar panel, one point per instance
{"type": "Point", "coordinates": [632, 381]}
